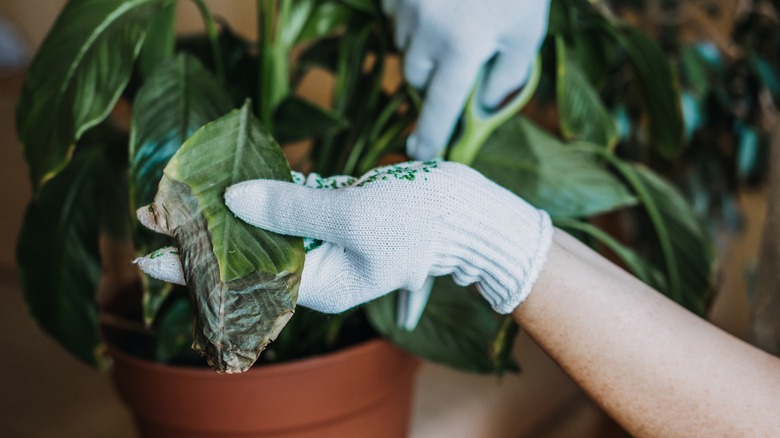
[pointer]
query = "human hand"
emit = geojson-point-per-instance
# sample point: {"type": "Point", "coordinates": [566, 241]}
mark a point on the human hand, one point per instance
{"type": "Point", "coordinates": [447, 42]}
{"type": "Point", "coordinates": [391, 229]}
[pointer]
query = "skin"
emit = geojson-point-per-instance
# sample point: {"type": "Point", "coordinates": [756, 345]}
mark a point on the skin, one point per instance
{"type": "Point", "coordinates": [657, 369]}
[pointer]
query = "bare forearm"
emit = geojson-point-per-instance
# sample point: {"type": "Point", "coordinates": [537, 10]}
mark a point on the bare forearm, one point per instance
{"type": "Point", "coordinates": [656, 368]}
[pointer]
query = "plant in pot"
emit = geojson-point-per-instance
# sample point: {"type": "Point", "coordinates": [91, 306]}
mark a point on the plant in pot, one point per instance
{"type": "Point", "coordinates": [200, 102]}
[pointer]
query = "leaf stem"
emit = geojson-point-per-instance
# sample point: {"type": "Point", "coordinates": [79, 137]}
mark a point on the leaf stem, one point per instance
{"type": "Point", "coordinates": [478, 124]}
{"type": "Point", "coordinates": [274, 58]}
{"type": "Point", "coordinates": [213, 35]}
{"type": "Point", "coordinates": [664, 239]}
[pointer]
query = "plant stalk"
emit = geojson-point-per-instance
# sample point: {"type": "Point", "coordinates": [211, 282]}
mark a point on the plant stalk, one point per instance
{"type": "Point", "coordinates": [213, 36]}
{"type": "Point", "coordinates": [478, 124]}
{"type": "Point", "coordinates": [274, 61]}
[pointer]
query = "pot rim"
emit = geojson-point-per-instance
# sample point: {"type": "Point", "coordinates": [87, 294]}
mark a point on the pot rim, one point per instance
{"type": "Point", "coordinates": [293, 366]}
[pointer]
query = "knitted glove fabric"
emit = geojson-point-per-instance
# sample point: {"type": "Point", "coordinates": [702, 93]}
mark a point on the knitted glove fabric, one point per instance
{"type": "Point", "coordinates": [447, 42]}
{"type": "Point", "coordinates": [395, 226]}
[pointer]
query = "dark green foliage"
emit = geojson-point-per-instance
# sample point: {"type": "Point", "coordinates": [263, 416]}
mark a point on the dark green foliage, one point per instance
{"type": "Point", "coordinates": [181, 85]}
{"type": "Point", "coordinates": [457, 328]}
{"type": "Point", "coordinates": [562, 180]}
{"type": "Point", "coordinates": [77, 77]}
{"type": "Point", "coordinates": [177, 98]}
{"type": "Point", "coordinates": [58, 256]}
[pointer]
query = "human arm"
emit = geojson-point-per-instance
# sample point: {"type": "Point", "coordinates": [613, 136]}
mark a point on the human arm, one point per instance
{"type": "Point", "coordinates": [656, 368]}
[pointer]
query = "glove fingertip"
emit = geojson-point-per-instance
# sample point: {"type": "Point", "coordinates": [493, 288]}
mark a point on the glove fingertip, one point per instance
{"type": "Point", "coordinates": [151, 220]}
{"type": "Point", "coordinates": [163, 264]}
{"type": "Point", "coordinates": [242, 199]}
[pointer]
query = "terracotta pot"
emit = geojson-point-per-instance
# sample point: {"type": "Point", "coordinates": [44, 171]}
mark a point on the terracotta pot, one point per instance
{"type": "Point", "coordinates": [365, 390]}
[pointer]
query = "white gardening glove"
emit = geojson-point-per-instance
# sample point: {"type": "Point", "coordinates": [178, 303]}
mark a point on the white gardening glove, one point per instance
{"type": "Point", "coordinates": [164, 264]}
{"type": "Point", "coordinates": [447, 42]}
{"type": "Point", "coordinates": [394, 227]}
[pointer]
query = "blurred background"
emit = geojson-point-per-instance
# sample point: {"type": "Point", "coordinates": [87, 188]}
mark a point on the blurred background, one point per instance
{"type": "Point", "coordinates": [46, 392]}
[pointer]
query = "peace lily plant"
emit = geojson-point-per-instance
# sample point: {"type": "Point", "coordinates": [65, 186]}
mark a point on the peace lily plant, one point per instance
{"type": "Point", "coordinates": [226, 97]}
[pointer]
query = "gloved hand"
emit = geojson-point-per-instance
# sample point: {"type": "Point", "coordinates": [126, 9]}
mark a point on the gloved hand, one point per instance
{"type": "Point", "coordinates": [394, 227]}
{"type": "Point", "coordinates": [447, 42]}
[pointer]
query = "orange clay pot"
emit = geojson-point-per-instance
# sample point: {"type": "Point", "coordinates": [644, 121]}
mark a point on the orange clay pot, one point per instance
{"type": "Point", "coordinates": [364, 390]}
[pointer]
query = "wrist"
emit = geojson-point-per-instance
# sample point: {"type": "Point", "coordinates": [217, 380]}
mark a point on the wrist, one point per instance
{"type": "Point", "coordinates": [495, 240]}
{"type": "Point", "coordinates": [526, 269]}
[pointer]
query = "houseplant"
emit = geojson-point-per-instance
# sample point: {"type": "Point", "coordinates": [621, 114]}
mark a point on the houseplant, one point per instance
{"type": "Point", "coordinates": [88, 174]}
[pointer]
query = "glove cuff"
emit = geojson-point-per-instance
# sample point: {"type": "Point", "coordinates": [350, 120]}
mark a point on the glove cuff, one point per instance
{"type": "Point", "coordinates": [499, 242]}
{"type": "Point", "coordinates": [505, 301]}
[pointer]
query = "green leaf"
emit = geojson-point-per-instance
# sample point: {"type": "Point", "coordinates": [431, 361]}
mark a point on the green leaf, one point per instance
{"type": "Point", "coordinates": [768, 75]}
{"type": "Point", "coordinates": [160, 40]}
{"type": "Point", "coordinates": [688, 253]}
{"type": "Point", "coordinates": [291, 19]}
{"type": "Point", "coordinates": [558, 21]}
{"type": "Point", "coordinates": [174, 331]}
{"type": "Point", "coordinates": [695, 70]}
{"type": "Point", "coordinates": [583, 115]}
{"type": "Point", "coordinates": [595, 55]}
{"type": "Point", "coordinates": [549, 174]}
{"type": "Point", "coordinates": [77, 76]}
{"type": "Point", "coordinates": [243, 281]}
{"type": "Point", "coordinates": [298, 119]}
{"type": "Point", "coordinates": [457, 328]}
{"type": "Point", "coordinates": [367, 6]}
{"type": "Point", "coordinates": [179, 97]}
{"type": "Point", "coordinates": [659, 87]}
{"type": "Point", "coordinates": [58, 257]}
{"type": "Point", "coordinates": [324, 20]}
{"type": "Point", "coordinates": [155, 292]}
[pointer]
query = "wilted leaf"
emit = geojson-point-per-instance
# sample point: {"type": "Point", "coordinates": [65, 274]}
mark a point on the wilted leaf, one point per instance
{"type": "Point", "coordinates": [178, 97]}
{"type": "Point", "coordinates": [243, 281]}
{"type": "Point", "coordinates": [549, 174]}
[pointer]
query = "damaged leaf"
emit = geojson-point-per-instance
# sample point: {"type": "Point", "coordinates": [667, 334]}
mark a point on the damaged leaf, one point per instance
{"type": "Point", "coordinates": [243, 281]}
